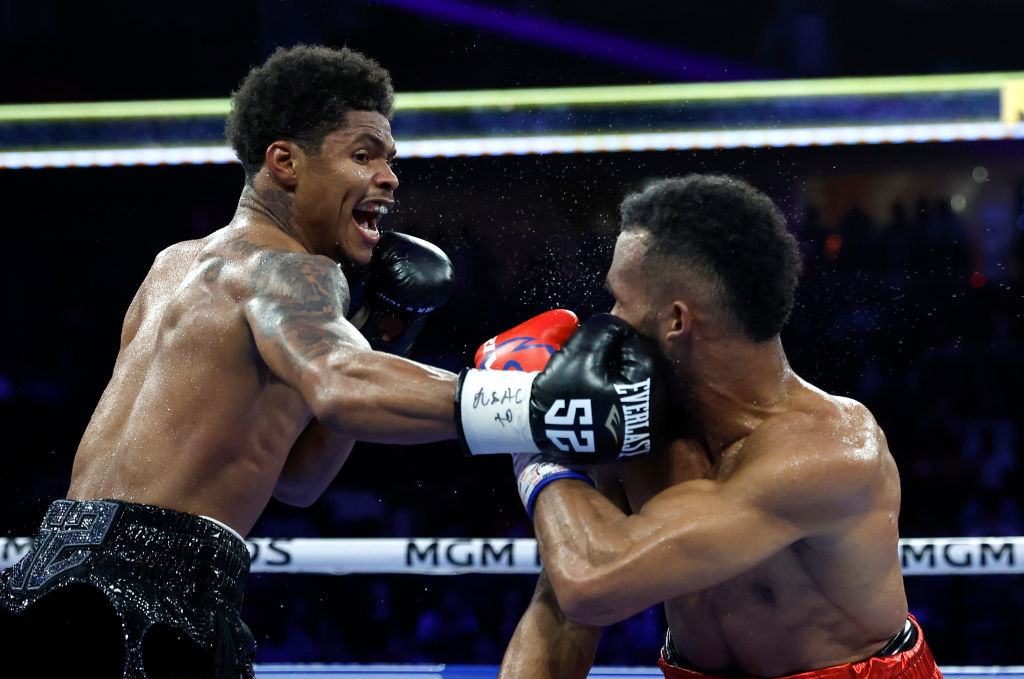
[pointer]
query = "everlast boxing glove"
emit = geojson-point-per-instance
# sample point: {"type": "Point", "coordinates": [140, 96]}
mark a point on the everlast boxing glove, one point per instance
{"type": "Point", "coordinates": [528, 347]}
{"type": "Point", "coordinates": [408, 278]}
{"type": "Point", "coordinates": [601, 397]}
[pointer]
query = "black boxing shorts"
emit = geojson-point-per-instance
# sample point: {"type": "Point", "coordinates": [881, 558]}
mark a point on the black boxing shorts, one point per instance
{"type": "Point", "coordinates": [906, 656]}
{"type": "Point", "coordinates": [122, 589]}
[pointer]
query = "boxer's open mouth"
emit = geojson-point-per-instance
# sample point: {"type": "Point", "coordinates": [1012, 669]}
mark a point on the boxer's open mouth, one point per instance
{"type": "Point", "coordinates": [368, 213]}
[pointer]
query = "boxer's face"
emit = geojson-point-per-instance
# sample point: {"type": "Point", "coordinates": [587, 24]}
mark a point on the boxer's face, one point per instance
{"type": "Point", "coordinates": [630, 282]}
{"type": "Point", "coordinates": [628, 286]}
{"type": "Point", "coordinates": [344, 191]}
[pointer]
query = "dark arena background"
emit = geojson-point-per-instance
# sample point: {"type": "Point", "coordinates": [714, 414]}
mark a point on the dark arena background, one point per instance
{"type": "Point", "coordinates": [889, 134]}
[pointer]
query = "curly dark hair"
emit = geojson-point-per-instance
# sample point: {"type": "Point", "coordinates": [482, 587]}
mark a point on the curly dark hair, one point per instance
{"type": "Point", "coordinates": [301, 94]}
{"type": "Point", "coordinates": [730, 235]}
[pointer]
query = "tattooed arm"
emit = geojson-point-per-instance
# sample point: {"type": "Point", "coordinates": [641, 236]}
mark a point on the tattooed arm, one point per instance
{"type": "Point", "coordinates": [296, 313]}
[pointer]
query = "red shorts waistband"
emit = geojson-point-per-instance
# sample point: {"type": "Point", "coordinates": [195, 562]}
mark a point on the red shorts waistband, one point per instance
{"type": "Point", "coordinates": [917, 663]}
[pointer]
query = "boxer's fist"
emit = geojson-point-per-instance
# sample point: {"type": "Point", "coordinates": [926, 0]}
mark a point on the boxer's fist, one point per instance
{"type": "Point", "coordinates": [529, 345]}
{"type": "Point", "coordinates": [408, 278]}
{"type": "Point", "coordinates": [602, 396]}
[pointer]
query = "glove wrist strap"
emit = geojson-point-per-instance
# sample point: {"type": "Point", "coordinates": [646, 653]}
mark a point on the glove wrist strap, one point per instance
{"type": "Point", "coordinates": [493, 411]}
{"type": "Point", "coordinates": [533, 473]}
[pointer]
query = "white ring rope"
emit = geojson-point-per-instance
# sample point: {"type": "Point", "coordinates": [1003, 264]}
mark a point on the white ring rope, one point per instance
{"type": "Point", "coordinates": [455, 556]}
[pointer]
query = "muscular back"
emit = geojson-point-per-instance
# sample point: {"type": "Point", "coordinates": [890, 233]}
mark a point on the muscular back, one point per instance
{"type": "Point", "coordinates": [833, 595]}
{"type": "Point", "coordinates": [192, 418]}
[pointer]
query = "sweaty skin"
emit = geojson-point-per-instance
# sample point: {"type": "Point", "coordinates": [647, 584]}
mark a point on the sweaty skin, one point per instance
{"type": "Point", "coordinates": [776, 555]}
{"type": "Point", "coordinates": [238, 377]}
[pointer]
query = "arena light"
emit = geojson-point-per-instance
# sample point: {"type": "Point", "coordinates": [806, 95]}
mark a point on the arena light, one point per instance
{"type": "Point", "coordinates": [552, 144]}
{"type": "Point", "coordinates": [115, 110]}
{"type": "Point", "coordinates": [545, 97]}
{"type": "Point", "coordinates": [576, 38]}
{"type": "Point", "coordinates": [179, 155]}
{"type": "Point", "coordinates": [753, 89]}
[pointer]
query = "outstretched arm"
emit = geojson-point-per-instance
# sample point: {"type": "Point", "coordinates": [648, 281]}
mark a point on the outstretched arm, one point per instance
{"type": "Point", "coordinates": [296, 313]}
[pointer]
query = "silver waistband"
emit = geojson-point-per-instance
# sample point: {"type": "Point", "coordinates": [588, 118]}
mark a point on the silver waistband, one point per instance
{"type": "Point", "coordinates": [223, 525]}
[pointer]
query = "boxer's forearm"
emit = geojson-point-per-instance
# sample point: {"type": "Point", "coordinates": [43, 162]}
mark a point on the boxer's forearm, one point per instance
{"type": "Point", "coordinates": [376, 397]}
{"type": "Point", "coordinates": [583, 541]}
{"type": "Point", "coordinates": [547, 644]}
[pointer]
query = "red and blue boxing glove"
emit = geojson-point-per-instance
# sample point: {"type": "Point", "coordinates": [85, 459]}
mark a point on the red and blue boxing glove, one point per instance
{"type": "Point", "coordinates": [528, 347]}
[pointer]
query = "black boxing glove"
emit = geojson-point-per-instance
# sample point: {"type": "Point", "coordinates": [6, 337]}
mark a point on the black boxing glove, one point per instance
{"type": "Point", "coordinates": [358, 278]}
{"type": "Point", "coordinates": [408, 278]}
{"type": "Point", "coordinates": [603, 396]}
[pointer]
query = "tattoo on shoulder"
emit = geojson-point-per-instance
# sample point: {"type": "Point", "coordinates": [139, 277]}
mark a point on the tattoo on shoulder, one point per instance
{"type": "Point", "coordinates": [296, 297]}
{"type": "Point", "coordinates": [243, 246]}
{"type": "Point", "coordinates": [211, 266]}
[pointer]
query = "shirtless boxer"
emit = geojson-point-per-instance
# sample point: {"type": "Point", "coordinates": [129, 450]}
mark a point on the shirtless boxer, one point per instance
{"type": "Point", "coordinates": [770, 535]}
{"type": "Point", "coordinates": [240, 378]}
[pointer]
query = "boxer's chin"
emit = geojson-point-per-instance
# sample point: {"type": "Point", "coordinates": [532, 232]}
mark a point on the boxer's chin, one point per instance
{"type": "Point", "coordinates": [353, 258]}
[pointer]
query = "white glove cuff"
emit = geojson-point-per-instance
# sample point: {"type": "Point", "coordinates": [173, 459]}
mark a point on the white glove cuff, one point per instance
{"type": "Point", "coordinates": [494, 411]}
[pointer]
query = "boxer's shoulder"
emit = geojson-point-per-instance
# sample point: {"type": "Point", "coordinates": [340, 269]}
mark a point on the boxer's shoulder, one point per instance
{"type": "Point", "coordinates": [832, 449]}
{"type": "Point", "coordinates": [810, 417]}
{"type": "Point", "coordinates": [180, 254]}
{"type": "Point", "coordinates": [251, 261]}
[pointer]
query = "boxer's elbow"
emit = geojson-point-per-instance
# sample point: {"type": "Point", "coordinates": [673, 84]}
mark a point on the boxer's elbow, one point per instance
{"type": "Point", "coordinates": [586, 594]}
{"type": "Point", "coordinates": [336, 409]}
{"type": "Point", "coordinates": [340, 396]}
{"type": "Point", "coordinates": [297, 493]}
{"type": "Point", "coordinates": [289, 497]}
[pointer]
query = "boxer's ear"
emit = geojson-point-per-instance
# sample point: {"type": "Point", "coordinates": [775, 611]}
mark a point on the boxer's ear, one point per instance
{"type": "Point", "coordinates": [282, 160]}
{"type": "Point", "coordinates": [680, 322]}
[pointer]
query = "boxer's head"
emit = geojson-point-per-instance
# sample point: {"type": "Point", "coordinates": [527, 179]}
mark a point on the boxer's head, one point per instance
{"type": "Point", "coordinates": [312, 131]}
{"type": "Point", "coordinates": [709, 248]}
{"type": "Point", "coordinates": [302, 94]}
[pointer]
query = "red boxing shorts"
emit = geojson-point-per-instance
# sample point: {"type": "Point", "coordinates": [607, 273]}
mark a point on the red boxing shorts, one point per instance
{"type": "Point", "coordinates": [917, 663]}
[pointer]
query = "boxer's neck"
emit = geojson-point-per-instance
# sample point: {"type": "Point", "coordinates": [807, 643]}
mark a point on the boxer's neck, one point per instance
{"type": "Point", "coordinates": [736, 385]}
{"type": "Point", "coordinates": [270, 203]}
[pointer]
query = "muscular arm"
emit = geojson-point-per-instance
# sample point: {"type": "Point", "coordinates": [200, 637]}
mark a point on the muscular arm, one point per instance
{"type": "Point", "coordinates": [296, 313]}
{"type": "Point", "coordinates": [793, 482]}
{"type": "Point", "coordinates": [547, 644]}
